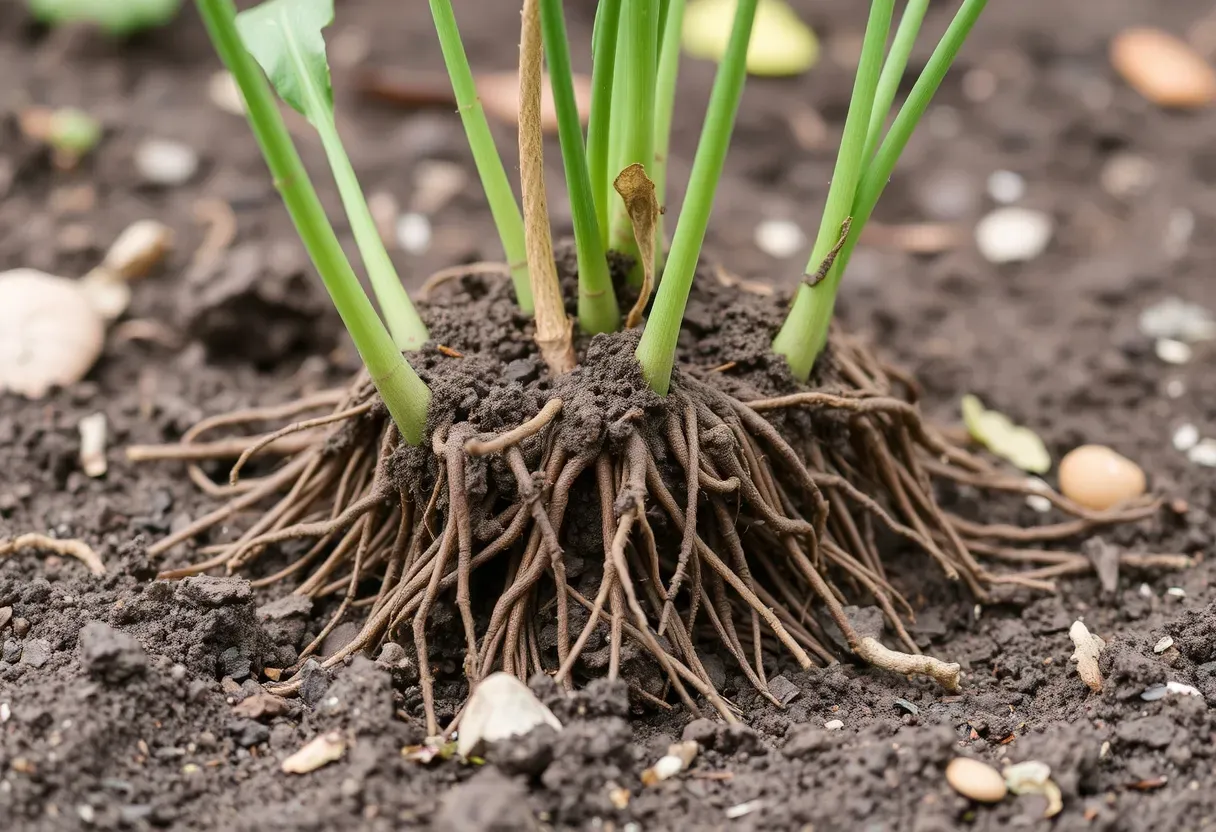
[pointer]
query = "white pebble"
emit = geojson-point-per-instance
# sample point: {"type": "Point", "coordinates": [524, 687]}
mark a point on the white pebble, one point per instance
{"type": "Point", "coordinates": [1179, 687]}
{"type": "Point", "coordinates": [1175, 388]}
{"type": "Point", "coordinates": [1011, 235]}
{"type": "Point", "coordinates": [1176, 592]}
{"type": "Point", "coordinates": [833, 725]}
{"type": "Point", "coordinates": [1126, 175]}
{"type": "Point", "coordinates": [1173, 352]}
{"type": "Point", "coordinates": [1039, 503]}
{"type": "Point", "coordinates": [1146, 591]}
{"type": "Point", "coordinates": [1006, 187]}
{"type": "Point", "coordinates": [1204, 453]}
{"type": "Point", "coordinates": [1186, 437]}
{"type": "Point", "coordinates": [413, 233]}
{"type": "Point", "coordinates": [1178, 319]}
{"type": "Point", "coordinates": [1165, 644]}
{"type": "Point", "coordinates": [779, 238]}
{"type": "Point", "coordinates": [164, 162]}
{"type": "Point", "coordinates": [5, 712]}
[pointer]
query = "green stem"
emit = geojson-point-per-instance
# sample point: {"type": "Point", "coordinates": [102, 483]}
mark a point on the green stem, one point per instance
{"type": "Point", "coordinates": [603, 66]}
{"type": "Point", "coordinates": [597, 308]}
{"type": "Point", "coordinates": [404, 393]}
{"type": "Point", "coordinates": [657, 350]}
{"type": "Point", "coordinates": [664, 107]}
{"type": "Point", "coordinates": [813, 308]}
{"type": "Point", "coordinates": [801, 336]}
{"type": "Point", "coordinates": [639, 27]}
{"type": "Point", "coordinates": [503, 206]}
{"type": "Point", "coordinates": [893, 71]}
{"type": "Point", "coordinates": [407, 328]}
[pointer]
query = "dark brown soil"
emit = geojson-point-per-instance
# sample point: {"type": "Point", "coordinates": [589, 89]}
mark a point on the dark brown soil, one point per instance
{"type": "Point", "coordinates": [118, 694]}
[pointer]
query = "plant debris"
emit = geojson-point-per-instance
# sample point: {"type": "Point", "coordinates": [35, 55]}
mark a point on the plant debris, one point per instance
{"type": "Point", "coordinates": [999, 434]}
{"type": "Point", "coordinates": [93, 444]}
{"type": "Point", "coordinates": [1088, 648]}
{"type": "Point", "coordinates": [320, 751]}
{"type": "Point", "coordinates": [679, 757]}
{"type": "Point", "coordinates": [976, 780]}
{"type": "Point", "coordinates": [50, 335]}
{"type": "Point", "coordinates": [1033, 777]}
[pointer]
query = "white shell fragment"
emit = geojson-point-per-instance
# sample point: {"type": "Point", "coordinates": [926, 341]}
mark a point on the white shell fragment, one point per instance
{"type": "Point", "coordinates": [1013, 235]}
{"type": "Point", "coordinates": [834, 724]}
{"type": "Point", "coordinates": [501, 707]}
{"type": "Point", "coordinates": [1089, 647]}
{"type": "Point", "coordinates": [50, 335]}
{"type": "Point", "coordinates": [93, 444]}
{"type": "Point", "coordinates": [1164, 644]}
{"type": "Point", "coordinates": [319, 751]}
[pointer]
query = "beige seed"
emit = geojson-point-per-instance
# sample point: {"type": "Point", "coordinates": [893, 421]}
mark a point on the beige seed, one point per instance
{"type": "Point", "coordinates": [1163, 68]}
{"type": "Point", "coordinates": [975, 780]}
{"type": "Point", "coordinates": [1098, 478]}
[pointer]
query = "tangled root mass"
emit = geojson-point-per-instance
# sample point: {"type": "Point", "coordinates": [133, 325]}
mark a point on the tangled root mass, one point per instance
{"type": "Point", "coordinates": [584, 525]}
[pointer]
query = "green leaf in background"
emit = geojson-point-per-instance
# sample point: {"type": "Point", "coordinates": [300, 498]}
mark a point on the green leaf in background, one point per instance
{"type": "Point", "coordinates": [781, 43]}
{"type": "Point", "coordinates": [118, 17]}
{"type": "Point", "coordinates": [999, 434]}
{"type": "Point", "coordinates": [284, 36]}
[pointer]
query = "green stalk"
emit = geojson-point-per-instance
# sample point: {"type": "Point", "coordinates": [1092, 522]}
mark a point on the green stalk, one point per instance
{"type": "Point", "coordinates": [597, 308]}
{"type": "Point", "coordinates": [503, 206]}
{"type": "Point", "coordinates": [893, 70]}
{"type": "Point", "coordinates": [404, 393]}
{"type": "Point", "coordinates": [803, 335]}
{"type": "Point", "coordinates": [639, 28]}
{"type": "Point", "coordinates": [664, 107]}
{"type": "Point", "coordinates": [617, 131]}
{"type": "Point", "coordinates": [657, 350]}
{"type": "Point", "coordinates": [812, 319]}
{"type": "Point", "coordinates": [603, 66]}
{"type": "Point", "coordinates": [407, 328]}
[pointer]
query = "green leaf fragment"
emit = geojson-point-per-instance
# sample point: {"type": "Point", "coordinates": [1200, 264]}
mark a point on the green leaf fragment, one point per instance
{"type": "Point", "coordinates": [118, 17]}
{"type": "Point", "coordinates": [284, 37]}
{"type": "Point", "coordinates": [999, 434]}
{"type": "Point", "coordinates": [781, 44]}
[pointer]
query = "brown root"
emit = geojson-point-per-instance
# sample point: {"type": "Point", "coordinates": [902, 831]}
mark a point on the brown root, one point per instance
{"type": "Point", "coordinates": [714, 531]}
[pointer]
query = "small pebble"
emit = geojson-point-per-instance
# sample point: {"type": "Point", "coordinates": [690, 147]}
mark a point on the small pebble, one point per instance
{"type": "Point", "coordinates": [1006, 187]}
{"type": "Point", "coordinates": [947, 195]}
{"type": "Point", "coordinates": [413, 233]}
{"type": "Point", "coordinates": [1154, 692]}
{"type": "Point", "coordinates": [1178, 319]}
{"type": "Point", "coordinates": [1173, 352]}
{"type": "Point", "coordinates": [1127, 175]}
{"type": "Point", "coordinates": [1098, 478]}
{"type": "Point", "coordinates": [975, 780]}
{"type": "Point", "coordinates": [1165, 644]}
{"type": "Point", "coordinates": [1175, 388]}
{"type": "Point", "coordinates": [1145, 591]}
{"type": "Point", "coordinates": [1163, 68]}
{"type": "Point", "coordinates": [1176, 592]}
{"type": "Point", "coordinates": [1204, 453]}
{"type": "Point", "coordinates": [164, 162]}
{"type": "Point", "coordinates": [779, 238]}
{"type": "Point", "coordinates": [833, 724]}
{"type": "Point", "coordinates": [1037, 501]}
{"type": "Point", "coordinates": [1011, 235]}
{"type": "Point", "coordinates": [1186, 437]}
